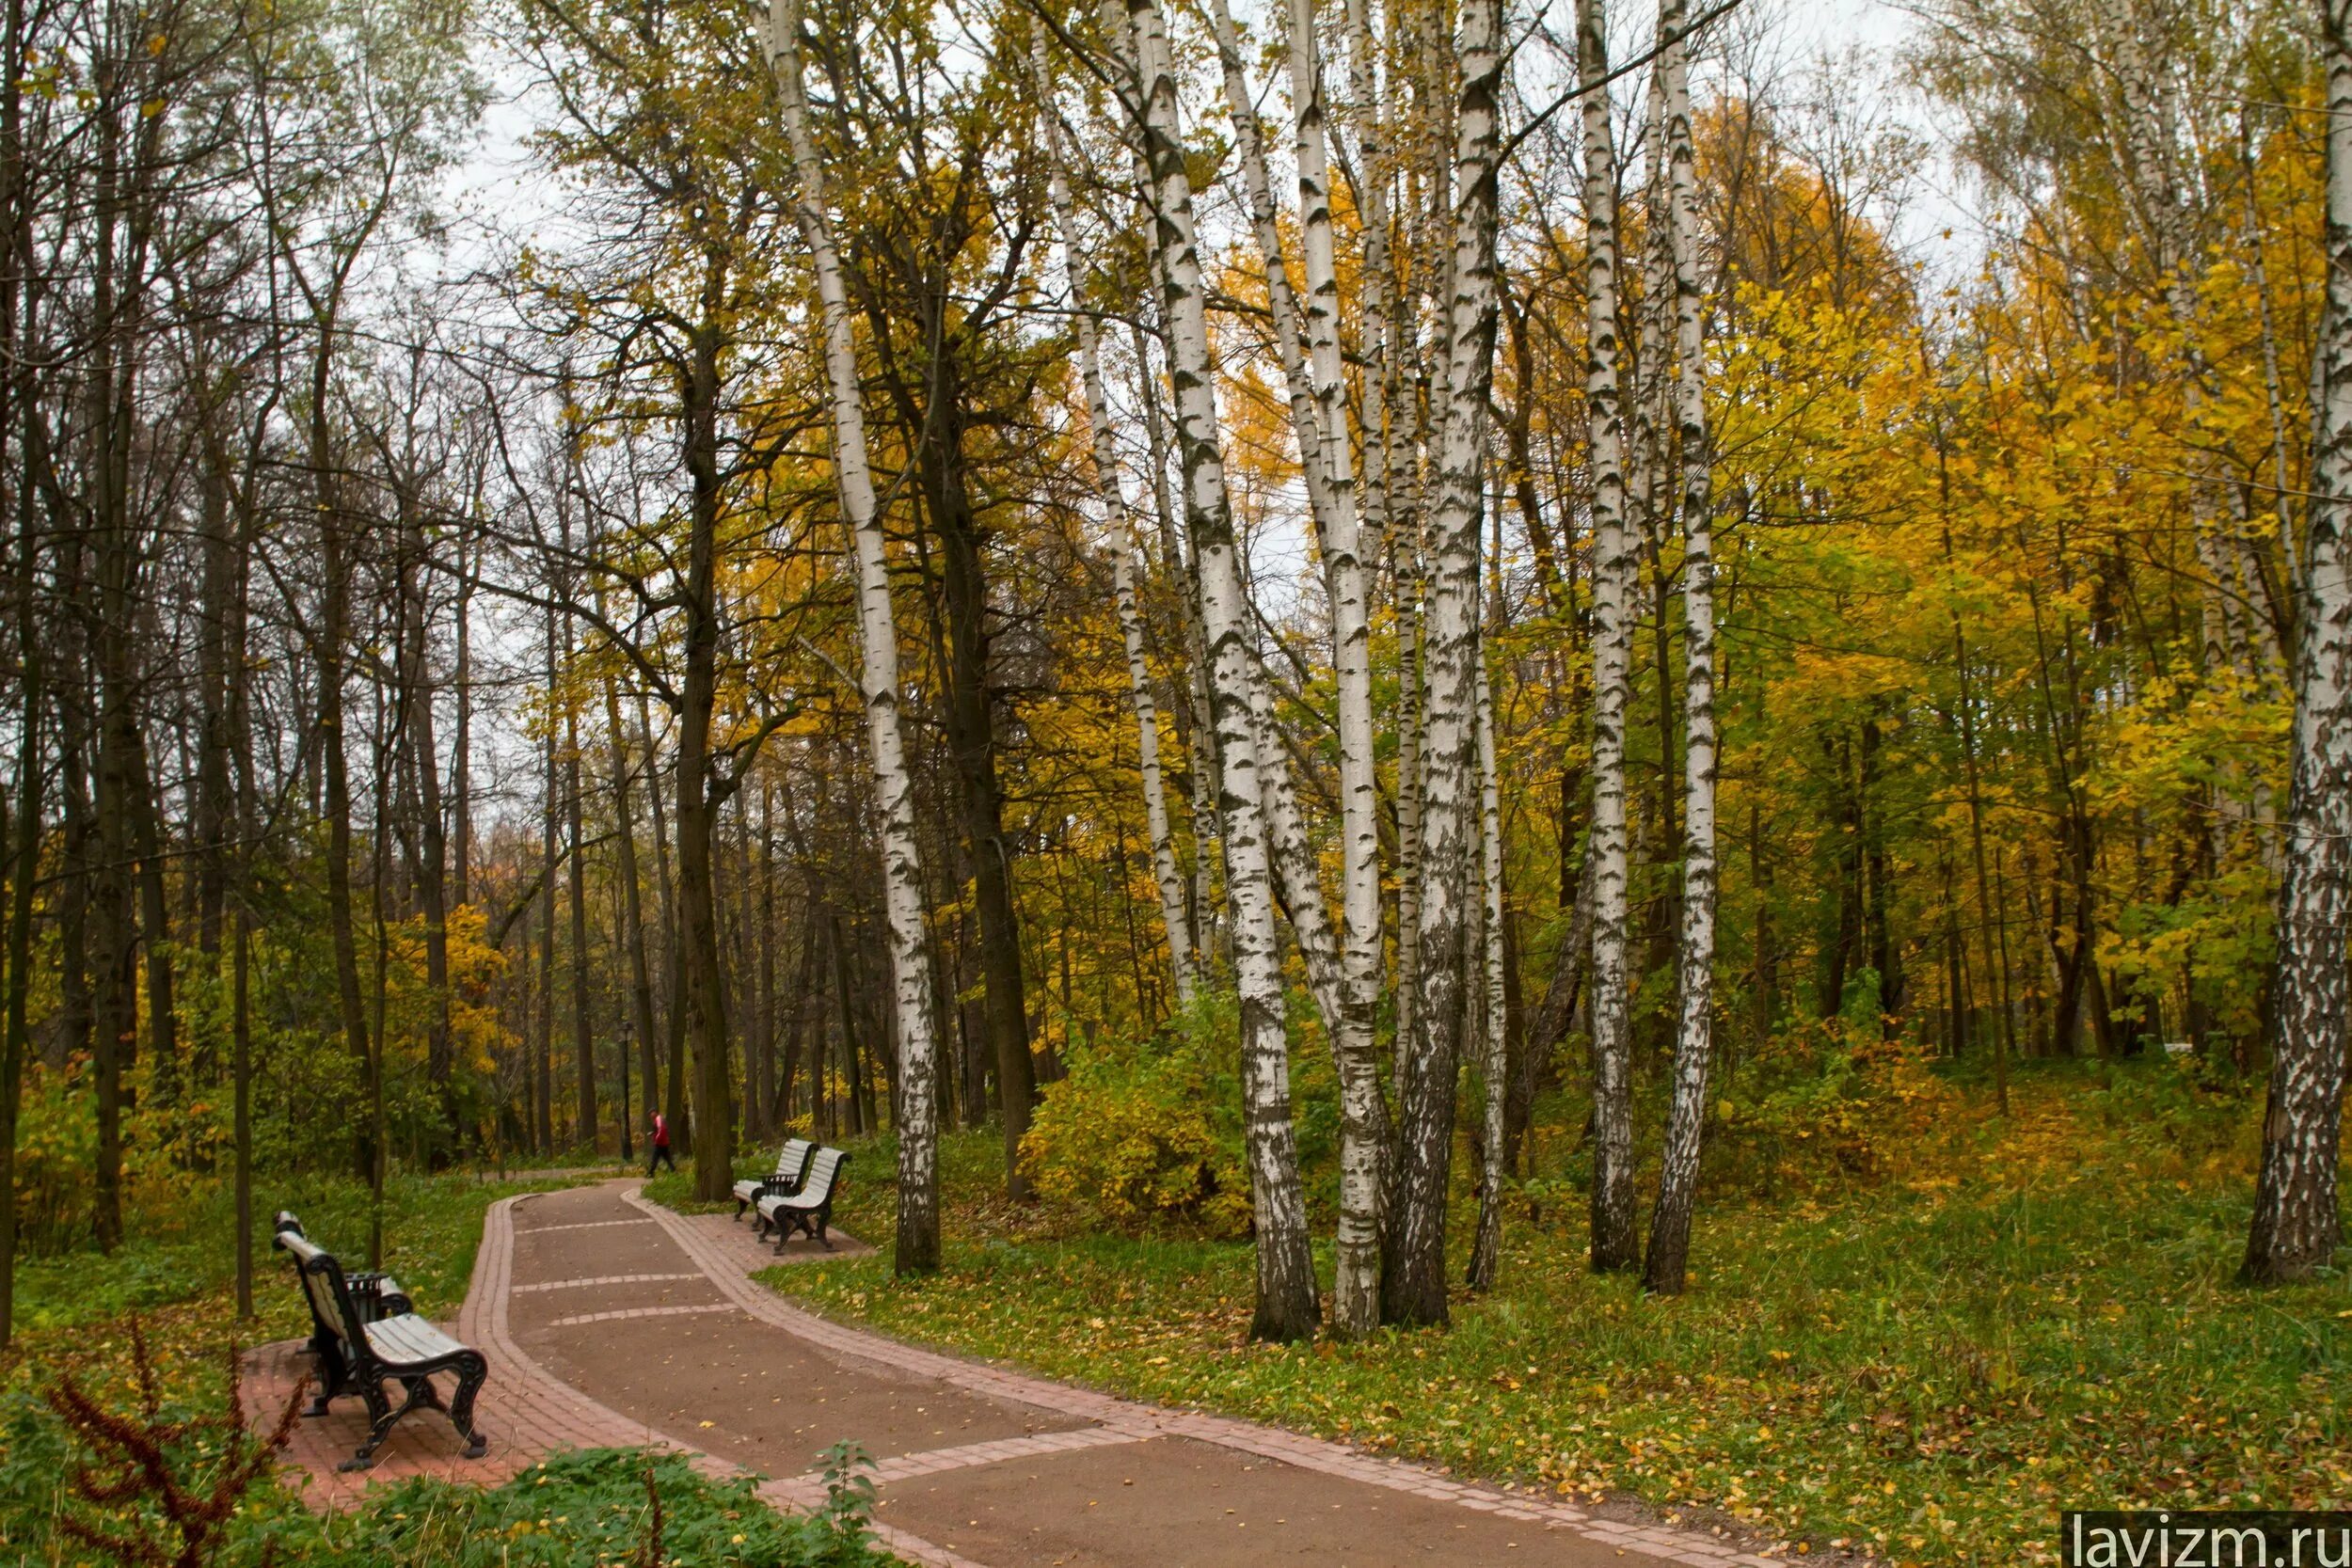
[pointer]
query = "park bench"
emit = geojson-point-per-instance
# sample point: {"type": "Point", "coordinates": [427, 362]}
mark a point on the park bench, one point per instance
{"type": "Point", "coordinates": [358, 1353]}
{"type": "Point", "coordinates": [376, 1294]}
{"type": "Point", "coordinates": [791, 1170]}
{"type": "Point", "coordinates": [809, 1209]}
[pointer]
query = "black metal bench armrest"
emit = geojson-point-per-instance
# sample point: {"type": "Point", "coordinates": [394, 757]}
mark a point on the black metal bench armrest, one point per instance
{"type": "Point", "coordinates": [377, 1295]}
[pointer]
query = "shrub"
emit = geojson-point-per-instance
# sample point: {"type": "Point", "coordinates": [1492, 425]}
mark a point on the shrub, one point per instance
{"type": "Point", "coordinates": [1148, 1130]}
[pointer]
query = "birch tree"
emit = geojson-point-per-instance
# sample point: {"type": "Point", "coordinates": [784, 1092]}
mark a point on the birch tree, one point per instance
{"type": "Point", "coordinates": [1102, 445]}
{"type": "Point", "coordinates": [1413, 1283]}
{"type": "Point", "coordinates": [2296, 1226]}
{"type": "Point", "coordinates": [1286, 1306]}
{"type": "Point", "coordinates": [1493, 1063]}
{"type": "Point", "coordinates": [1614, 1244]}
{"type": "Point", "coordinates": [1363, 1130]}
{"type": "Point", "coordinates": [917, 1112]}
{"type": "Point", "coordinates": [1677, 1180]}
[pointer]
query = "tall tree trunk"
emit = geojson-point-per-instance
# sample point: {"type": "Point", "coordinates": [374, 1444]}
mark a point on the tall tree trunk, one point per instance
{"type": "Point", "coordinates": [2295, 1227]}
{"type": "Point", "coordinates": [675, 1105]}
{"type": "Point", "coordinates": [1364, 1119]}
{"type": "Point", "coordinates": [917, 1108]}
{"type": "Point", "coordinates": [1613, 1242]}
{"type": "Point", "coordinates": [1493, 1034]}
{"type": "Point", "coordinates": [239, 715]}
{"type": "Point", "coordinates": [550, 831]}
{"type": "Point", "coordinates": [1286, 1307]}
{"type": "Point", "coordinates": [461, 745]}
{"type": "Point", "coordinates": [433, 843]}
{"type": "Point", "coordinates": [1678, 1185]}
{"type": "Point", "coordinates": [760, 1105]}
{"type": "Point", "coordinates": [1182, 961]}
{"type": "Point", "coordinates": [702, 978]}
{"type": "Point", "coordinates": [1413, 1285]}
{"type": "Point", "coordinates": [25, 868]}
{"type": "Point", "coordinates": [583, 1036]}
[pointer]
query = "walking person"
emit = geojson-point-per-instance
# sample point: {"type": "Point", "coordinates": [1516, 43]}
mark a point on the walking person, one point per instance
{"type": "Point", "coordinates": [661, 1155]}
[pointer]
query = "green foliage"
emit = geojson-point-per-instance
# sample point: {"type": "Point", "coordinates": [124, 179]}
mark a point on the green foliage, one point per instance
{"type": "Point", "coordinates": [596, 1507]}
{"type": "Point", "coordinates": [1805, 1112]}
{"type": "Point", "coordinates": [850, 1492]}
{"type": "Point", "coordinates": [1148, 1130]}
{"type": "Point", "coordinates": [180, 1245]}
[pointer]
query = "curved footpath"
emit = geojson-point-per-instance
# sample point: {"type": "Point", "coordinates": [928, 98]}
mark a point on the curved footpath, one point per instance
{"type": "Point", "coordinates": [613, 1321]}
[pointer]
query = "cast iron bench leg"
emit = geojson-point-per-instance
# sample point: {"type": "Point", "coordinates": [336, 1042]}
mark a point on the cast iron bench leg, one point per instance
{"type": "Point", "coordinates": [381, 1416]}
{"type": "Point", "coordinates": [472, 1369]}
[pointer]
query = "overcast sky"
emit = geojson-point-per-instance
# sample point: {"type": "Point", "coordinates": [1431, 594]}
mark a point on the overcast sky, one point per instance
{"type": "Point", "coordinates": [497, 190]}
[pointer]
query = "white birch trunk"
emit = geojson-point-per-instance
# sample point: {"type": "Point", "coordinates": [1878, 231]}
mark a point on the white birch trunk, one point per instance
{"type": "Point", "coordinates": [1670, 1222]}
{"type": "Point", "coordinates": [1208, 835]}
{"type": "Point", "coordinates": [2296, 1226]}
{"type": "Point", "coordinates": [1123, 550]}
{"type": "Point", "coordinates": [1363, 1120]}
{"type": "Point", "coordinates": [1612, 1240]}
{"type": "Point", "coordinates": [1293, 861]}
{"type": "Point", "coordinates": [1288, 331]}
{"type": "Point", "coordinates": [1413, 1286]}
{"type": "Point", "coordinates": [1349, 994]}
{"type": "Point", "coordinates": [1286, 1307]}
{"type": "Point", "coordinates": [1493, 1066]}
{"type": "Point", "coordinates": [916, 1114]}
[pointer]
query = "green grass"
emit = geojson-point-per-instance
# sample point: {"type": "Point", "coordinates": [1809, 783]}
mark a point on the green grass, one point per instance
{"type": "Point", "coordinates": [591, 1508]}
{"type": "Point", "coordinates": [174, 1280]}
{"type": "Point", "coordinates": [1923, 1358]}
{"type": "Point", "coordinates": [180, 1247]}
{"type": "Point", "coordinates": [573, 1510]}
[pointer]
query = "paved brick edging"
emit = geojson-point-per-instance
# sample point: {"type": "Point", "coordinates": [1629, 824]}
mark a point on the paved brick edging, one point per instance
{"type": "Point", "coordinates": [1131, 1420]}
{"type": "Point", "coordinates": [599, 1279]}
{"type": "Point", "coordinates": [547, 1413]}
{"type": "Point", "coordinates": [619, 1313]}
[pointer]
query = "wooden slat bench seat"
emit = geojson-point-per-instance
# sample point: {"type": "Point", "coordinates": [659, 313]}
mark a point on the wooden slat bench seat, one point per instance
{"type": "Point", "coordinates": [791, 1170]}
{"type": "Point", "coordinates": [358, 1353]}
{"type": "Point", "coordinates": [809, 1208]}
{"type": "Point", "coordinates": [376, 1294]}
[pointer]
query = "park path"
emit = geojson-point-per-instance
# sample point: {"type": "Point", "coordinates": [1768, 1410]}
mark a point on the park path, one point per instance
{"type": "Point", "coordinates": [613, 1321]}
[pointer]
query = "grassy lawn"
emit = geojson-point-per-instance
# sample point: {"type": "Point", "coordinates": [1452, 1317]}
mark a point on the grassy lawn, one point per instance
{"type": "Point", "coordinates": [1923, 1358]}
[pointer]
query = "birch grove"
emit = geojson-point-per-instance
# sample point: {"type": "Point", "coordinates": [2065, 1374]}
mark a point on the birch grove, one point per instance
{"type": "Point", "coordinates": [1102, 446]}
{"type": "Point", "coordinates": [1474, 645]}
{"type": "Point", "coordinates": [1413, 1283]}
{"type": "Point", "coordinates": [1670, 1224]}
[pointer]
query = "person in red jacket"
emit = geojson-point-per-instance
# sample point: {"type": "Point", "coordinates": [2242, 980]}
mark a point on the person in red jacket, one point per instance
{"type": "Point", "coordinates": [661, 1155]}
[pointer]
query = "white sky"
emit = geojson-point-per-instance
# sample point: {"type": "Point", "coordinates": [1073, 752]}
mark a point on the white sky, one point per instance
{"type": "Point", "coordinates": [499, 190]}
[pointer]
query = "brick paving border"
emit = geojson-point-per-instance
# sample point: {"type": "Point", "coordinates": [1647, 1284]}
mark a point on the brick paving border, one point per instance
{"type": "Point", "coordinates": [599, 1279]}
{"type": "Point", "coordinates": [621, 1313]}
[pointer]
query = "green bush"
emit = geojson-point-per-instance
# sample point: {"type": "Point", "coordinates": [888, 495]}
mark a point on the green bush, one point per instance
{"type": "Point", "coordinates": [1148, 1130]}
